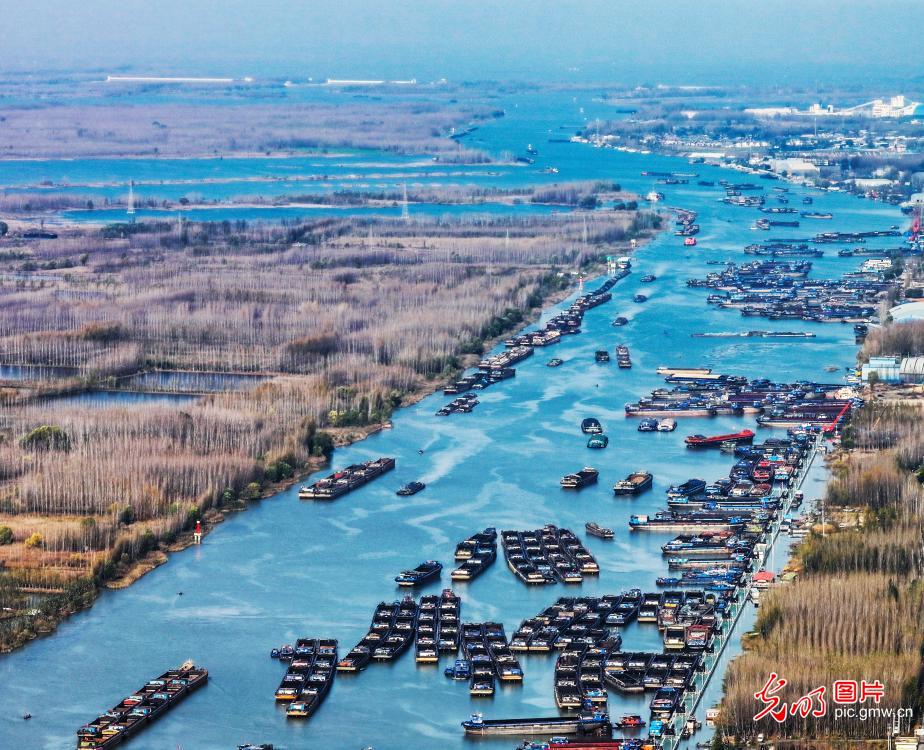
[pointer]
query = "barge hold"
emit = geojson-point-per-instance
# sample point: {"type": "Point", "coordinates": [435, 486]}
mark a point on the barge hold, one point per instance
{"type": "Point", "coordinates": [346, 480]}
{"type": "Point", "coordinates": [141, 708]}
{"type": "Point", "coordinates": [586, 723]}
{"type": "Point", "coordinates": [636, 482]}
{"type": "Point", "coordinates": [478, 553]}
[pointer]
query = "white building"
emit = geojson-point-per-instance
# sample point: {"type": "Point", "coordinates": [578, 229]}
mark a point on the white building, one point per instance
{"type": "Point", "coordinates": [793, 166]}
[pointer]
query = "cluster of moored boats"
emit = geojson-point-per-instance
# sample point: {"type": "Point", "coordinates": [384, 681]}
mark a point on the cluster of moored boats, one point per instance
{"type": "Point", "coordinates": [477, 554]}
{"type": "Point", "coordinates": [547, 555]}
{"type": "Point", "coordinates": [346, 480]}
{"type": "Point", "coordinates": [308, 678]}
{"type": "Point", "coordinates": [781, 290]}
{"type": "Point", "coordinates": [487, 658]}
{"type": "Point", "coordinates": [499, 367]}
{"type": "Point", "coordinates": [390, 634]}
{"type": "Point", "coordinates": [142, 707]}
{"type": "Point", "coordinates": [699, 392]}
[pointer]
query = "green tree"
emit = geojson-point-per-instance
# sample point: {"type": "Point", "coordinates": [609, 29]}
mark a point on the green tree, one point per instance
{"type": "Point", "coordinates": [47, 437]}
{"type": "Point", "coordinates": [6, 535]}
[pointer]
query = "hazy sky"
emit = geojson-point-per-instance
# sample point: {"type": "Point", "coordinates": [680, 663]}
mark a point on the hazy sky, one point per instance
{"type": "Point", "coordinates": [643, 40]}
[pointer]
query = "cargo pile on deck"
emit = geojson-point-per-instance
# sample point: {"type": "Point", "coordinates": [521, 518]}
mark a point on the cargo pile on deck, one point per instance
{"type": "Point", "coordinates": [346, 480]}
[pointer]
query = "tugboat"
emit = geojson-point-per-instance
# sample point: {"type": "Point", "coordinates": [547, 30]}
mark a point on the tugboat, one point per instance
{"type": "Point", "coordinates": [601, 355]}
{"type": "Point", "coordinates": [583, 478]}
{"type": "Point", "coordinates": [555, 362]}
{"type": "Point", "coordinates": [595, 529]}
{"type": "Point", "coordinates": [411, 488]}
{"type": "Point", "coordinates": [598, 441]}
{"type": "Point", "coordinates": [667, 425]}
{"type": "Point", "coordinates": [620, 321]}
{"type": "Point", "coordinates": [423, 573]}
{"type": "Point", "coordinates": [648, 425]}
{"type": "Point", "coordinates": [636, 482]}
{"type": "Point", "coordinates": [591, 426]}
{"type": "Point", "coordinates": [639, 298]}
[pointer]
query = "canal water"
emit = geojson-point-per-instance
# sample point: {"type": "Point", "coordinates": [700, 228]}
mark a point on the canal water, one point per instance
{"type": "Point", "coordinates": [288, 568]}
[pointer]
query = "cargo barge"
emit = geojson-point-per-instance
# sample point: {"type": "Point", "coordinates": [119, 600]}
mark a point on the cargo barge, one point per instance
{"type": "Point", "coordinates": [438, 627]}
{"type": "Point", "coordinates": [311, 673]}
{"type": "Point", "coordinates": [477, 554]}
{"type": "Point", "coordinates": [547, 555]}
{"type": "Point", "coordinates": [636, 482]}
{"type": "Point", "coordinates": [346, 480]}
{"type": "Point", "coordinates": [586, 723]}
{"type": "Point", "coordinates": [141, 708]}
{"type": "Point", "coordinates": [580, 479]}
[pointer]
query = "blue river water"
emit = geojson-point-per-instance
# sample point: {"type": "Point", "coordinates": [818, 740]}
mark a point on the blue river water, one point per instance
{"type": "Point", "coordinates": [288, 568]}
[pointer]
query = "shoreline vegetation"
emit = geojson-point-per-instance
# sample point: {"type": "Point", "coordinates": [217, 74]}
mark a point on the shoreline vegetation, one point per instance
{"type": "Point", "coordinates": [349, 319]}
{"type": "Point", "coordinates": [855, 609]}
{"type": "Point", "coordinates": [586, 195]}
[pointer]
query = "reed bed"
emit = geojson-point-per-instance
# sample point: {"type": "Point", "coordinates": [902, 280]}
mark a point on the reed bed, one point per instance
{"type": "Point", "coordinates": [345, 320]}
{"type": "Point", "coordinates": [855, 612]}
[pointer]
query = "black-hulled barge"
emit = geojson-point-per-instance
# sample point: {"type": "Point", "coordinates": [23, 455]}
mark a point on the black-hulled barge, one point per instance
{"type": "Point", "coordinates": [346, 480]}
{"type": "Point", "coordinates": [477, 554]}
{"type": "Point", "coordinates": [139, 709]}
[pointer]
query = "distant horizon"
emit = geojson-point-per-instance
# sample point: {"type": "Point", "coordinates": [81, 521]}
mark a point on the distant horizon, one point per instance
{"type": "Point", "coordinates": [793, 43]}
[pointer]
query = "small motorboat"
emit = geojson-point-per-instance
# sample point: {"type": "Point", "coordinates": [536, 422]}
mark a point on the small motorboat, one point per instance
{"type": "Point", "coordinates": [601, 355]}
{"type": "Point", "coordinates": [667, 425]}
{"type": "Point", "coordinates": [411, 488]}
{"type": "Point", "coordinates": [620, 321]}
{"type": "Point", "coordinates": [461, 670]}
{"type": "Point", "coordinates": [648, 278]}
{"type": "Point", "coordinates": [630, 721]}
{"type": "Point", "coordinates": [423, 573]}
{"type": "Point", "coordinates": [591, 426]}
{"type": "Point", "coordinates": [595, 529]}
{"type": "Point", "coordinates": [639, 298]}
{"type": "Point", "coordinates": [598, 441]}
{"type": "Point", "coordinates": [555, 362]}
{"type": "Point", "coordinates": [648, 425]}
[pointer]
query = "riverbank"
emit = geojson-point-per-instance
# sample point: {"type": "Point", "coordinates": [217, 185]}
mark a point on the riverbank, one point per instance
{"type": "Point", "coordinates": [862, 559]}
{"type": "Point", "coordinates": [147, 548]}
